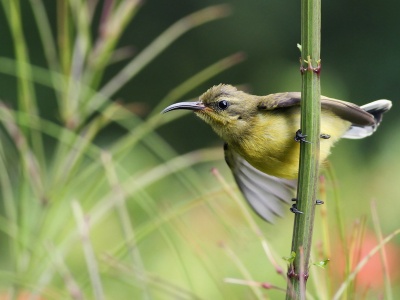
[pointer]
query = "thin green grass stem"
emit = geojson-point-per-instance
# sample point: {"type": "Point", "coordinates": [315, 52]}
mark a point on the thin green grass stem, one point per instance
{"type": "Point", "coordinates": [382, 252]}
{"type": "Point", "coordinates": [90, 257]}
{"type": "Point", "coordinates": [154, 49]}
{"type": "Point", "coordinates": [350, 278]}
{"type": "Point", "coordinates": [26, 91]}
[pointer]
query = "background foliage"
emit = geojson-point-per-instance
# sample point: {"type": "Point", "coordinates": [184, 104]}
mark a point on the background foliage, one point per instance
{"type": "Point", "coordinates": [116, 201]}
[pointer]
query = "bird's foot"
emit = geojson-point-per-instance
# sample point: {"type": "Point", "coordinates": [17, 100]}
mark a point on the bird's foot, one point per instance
{"type": "Point", "coordinates": [294, 209]}
{"type": "Point", "coordinates": [300, 137]}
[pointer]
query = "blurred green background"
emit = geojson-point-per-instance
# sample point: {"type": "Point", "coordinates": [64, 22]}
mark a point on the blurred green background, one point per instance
{"type": "Point", "coordinates": [161, 226]}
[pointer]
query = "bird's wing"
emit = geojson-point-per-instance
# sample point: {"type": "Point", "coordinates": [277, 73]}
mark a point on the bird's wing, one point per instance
{"type": "Point", "coordinates": [265, 194]}
{"type": "Point", "coordinates": [345, 110]}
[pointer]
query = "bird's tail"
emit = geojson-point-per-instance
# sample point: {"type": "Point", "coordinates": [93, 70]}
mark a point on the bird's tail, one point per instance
{"type": "Point", "coordinates": [377, 109]}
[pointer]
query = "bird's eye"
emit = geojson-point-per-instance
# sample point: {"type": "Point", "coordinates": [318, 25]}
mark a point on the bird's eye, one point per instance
{"type": "Point", "coordinates": [223, 104]}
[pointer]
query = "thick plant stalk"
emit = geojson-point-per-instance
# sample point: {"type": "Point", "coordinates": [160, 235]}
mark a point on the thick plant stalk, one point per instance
{"type": "Point", "coordinates": [309, 150]}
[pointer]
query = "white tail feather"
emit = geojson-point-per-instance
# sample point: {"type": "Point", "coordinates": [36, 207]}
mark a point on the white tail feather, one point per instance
{"type": "Point", "coordinates": [376, 108]}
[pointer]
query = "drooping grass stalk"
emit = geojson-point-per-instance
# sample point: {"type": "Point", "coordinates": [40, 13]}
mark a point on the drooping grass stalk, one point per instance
{"type": "Point", "coordinates": [195, 80]}
{"type": "Point", "coordinates": [355, 248]}
{"type": "Point", "coordinates": [110, 30]}
{"type": "Point", "coordinates": [361, 264]}
{"type": "Point", "coordinates": [71, 112]}
{"type": "Point", "coordinates": [44, 28]}
{"type": "Point", "coordinates": [154, 49]}
{"type": "Point", "coordinates": [90, 257]}
{"type": "Point", "coordinates": [98, 100]}
{"type": "Point", "coordinates": [26, 92]}
{"type": "Point", "coordinates": [71, 284]}
{"type": "Point", "coordinates": [339, 214]}
{"type": "Point", "coordinates": [134, 184]}
{"type": "Point", "coordinates": [382, 252]}
{"type": "Point", "coordinates": [157, 283]}
{"type": "Point", "coordinates": [37, 272]}
{"type": "Point", "coordinates": [258, 294]}
{"type": "Point", "coordinates": [124, 218]}
{"type": "Point", "coordinates": [155, 119]}
{"type": "Point", "coordinates": [26, 98]}
{"type": "Point", "coordinates": [48, 43]}
{"type": "Point", "coordinates": [309, 151]}
{"type": "Point", "coordinates": [135, 125]}
{"type": "Point", "coordinates": [251, 222]}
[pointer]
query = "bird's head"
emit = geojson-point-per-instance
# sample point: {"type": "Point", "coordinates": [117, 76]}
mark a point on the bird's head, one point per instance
{"type": "Point", "coordinates": [228, 110]}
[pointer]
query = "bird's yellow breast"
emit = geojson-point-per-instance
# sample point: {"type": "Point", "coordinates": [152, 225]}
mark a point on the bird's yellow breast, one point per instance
{"type": "Point", "coordinates": [270, 146]}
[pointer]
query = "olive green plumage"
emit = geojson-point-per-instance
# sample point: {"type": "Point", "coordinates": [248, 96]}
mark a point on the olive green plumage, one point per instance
{"type": "Point", "coordinates": [259, 135]}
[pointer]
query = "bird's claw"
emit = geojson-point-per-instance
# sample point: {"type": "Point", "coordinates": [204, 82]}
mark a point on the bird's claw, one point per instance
{"type": "Point", "coordinates": [300, 137]}
{"type": "Point", "coordinates": [294, 209]}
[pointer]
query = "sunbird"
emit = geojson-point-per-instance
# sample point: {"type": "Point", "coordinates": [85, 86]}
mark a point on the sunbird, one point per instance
{"type": "Point", "coordinates": [261, 145]}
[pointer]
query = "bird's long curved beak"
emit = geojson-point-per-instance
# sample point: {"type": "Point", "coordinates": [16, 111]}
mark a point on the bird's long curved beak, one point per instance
{"type": "Point", "coordinates": [185, 105]}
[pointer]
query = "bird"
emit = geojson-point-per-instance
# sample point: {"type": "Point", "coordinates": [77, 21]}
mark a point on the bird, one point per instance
{"type": "Point", "coordinates": [258, 134]}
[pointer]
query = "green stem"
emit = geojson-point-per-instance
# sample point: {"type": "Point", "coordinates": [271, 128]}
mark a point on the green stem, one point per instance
{"type": "Point", "coordinates": [26, 90]}
{"type": "Point", "coordinates": [155, 48]}
{"type": "Point", "coordinates": [309, 152]}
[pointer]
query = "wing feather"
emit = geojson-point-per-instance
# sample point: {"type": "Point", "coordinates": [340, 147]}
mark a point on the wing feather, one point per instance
{"type": "Point", "coordinates": [346, 110]}
{"type": "Point", "coordinates": [265, 194]}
